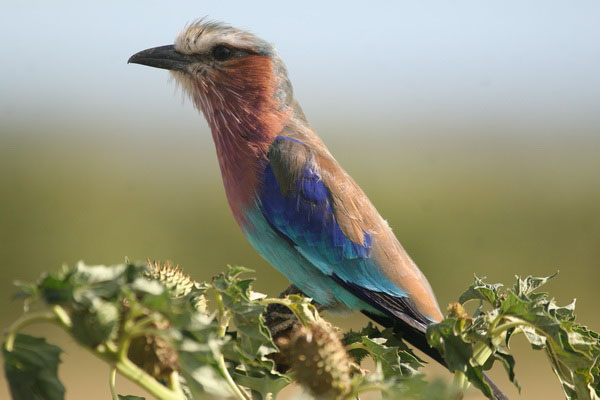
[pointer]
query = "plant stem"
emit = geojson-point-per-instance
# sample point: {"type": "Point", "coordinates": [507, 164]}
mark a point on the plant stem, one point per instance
{"type": "Point", "coordinates": [62, 316]}
{"type": "Point", "coordinates": [132, 372]}
{"type": "Point", "coordinates": [223, 318]}
{"type": "Point", "coordinates": [368, 387]}
{"type": "Point", "coordinates": [356, 346]}
{"type": "Point", "coordinates": [23, 321]}
{"type": "Point", "coordinates": [482, 352]}
{"type": "Point", "coordinates": [112, 381]}
{"type": "Point", "coordinates": [223, 315]}
{"type": "Point", "coordinates": [460, 380]}
{"type": "Point", "coordinates": [514, 324]}
{"type": "Point", "coordinates": [174, 383]}
{"type": "Point", "coordinates": [232, 385]}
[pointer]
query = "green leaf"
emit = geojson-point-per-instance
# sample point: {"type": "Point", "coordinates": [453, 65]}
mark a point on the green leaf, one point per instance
{"type": "Point", "coordinates": [417, 388]}
{"type": "Point", "coordinates": [352, 337]}
{"type": "Point", "coordinates": [253, 336]}
{"type": "Point", "coordinates": [262, 383]}
{"type": "Point", "coordinates": [130, 397]}
{"type": "Point", "coordinates": [251, 343]}
{"type": "Point", "coordinates": [143, 285]}
{"type": "Point", "coordinates": [55, 290]}
{"type": "Point", "coordinates": [480, 290]}
{"type": "Point", "coordinates": [199, 367]}
{"type": "Point", "coordinates": [31, 369]}
{"type": "Point", "coordinates": [393, 361]}
{"type": "Point", "coordinates": [508, 362]}
{"type": "Point", "coordinates": [524, 287]}
{"type": "Point", "coordinates": [450, 337]}
{"type": "Point", "coordinates": [25, 290]}
{"type": "Point", "coordinates": [198, 348]}
{"type": "Point", "coordinates": [95, 324]}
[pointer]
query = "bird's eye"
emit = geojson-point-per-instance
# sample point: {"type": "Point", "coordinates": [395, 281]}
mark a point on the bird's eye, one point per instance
{"type": "Point", "coordinates": [221, 53]}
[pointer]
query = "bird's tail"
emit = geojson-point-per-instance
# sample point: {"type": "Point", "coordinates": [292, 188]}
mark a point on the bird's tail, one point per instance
{"type": "Point", "coordinates": [418, 339]}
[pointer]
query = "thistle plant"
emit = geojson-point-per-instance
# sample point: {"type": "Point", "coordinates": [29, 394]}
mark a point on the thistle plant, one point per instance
{"type": "Point", "coordinates": [181, 339]}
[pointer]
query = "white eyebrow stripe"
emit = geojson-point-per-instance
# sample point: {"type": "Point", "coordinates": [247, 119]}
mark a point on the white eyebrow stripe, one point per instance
{"type": "Point", "coordinates": [200, 37]}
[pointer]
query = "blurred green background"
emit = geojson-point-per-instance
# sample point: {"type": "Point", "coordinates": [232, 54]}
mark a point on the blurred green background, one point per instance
{"type": "Point", "coordinates": [474, 129]}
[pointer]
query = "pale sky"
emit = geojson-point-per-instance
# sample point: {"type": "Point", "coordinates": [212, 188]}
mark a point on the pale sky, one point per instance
{"type": "Point", "coordinates": [528, 64]}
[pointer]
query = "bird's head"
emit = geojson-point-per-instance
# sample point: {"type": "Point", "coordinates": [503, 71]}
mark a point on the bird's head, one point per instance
{"type": "Point", "coordinates": [235, 78]}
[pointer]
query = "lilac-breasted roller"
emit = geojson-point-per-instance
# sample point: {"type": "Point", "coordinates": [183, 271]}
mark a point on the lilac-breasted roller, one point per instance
{"type": "Point", "coordinates": [296, 205]}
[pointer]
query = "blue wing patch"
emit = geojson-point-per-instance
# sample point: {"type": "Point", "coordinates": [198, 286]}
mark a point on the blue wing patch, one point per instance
{"type": "Point", "coordinates": [303, 214]}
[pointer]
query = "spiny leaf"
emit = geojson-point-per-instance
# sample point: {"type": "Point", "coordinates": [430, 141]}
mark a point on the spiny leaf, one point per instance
{"type": "Point", "coordinates": [480, 290]}
{"type": "Point", "coordinates": [247, 314]}
{"type": "Point", "coordinates": [524, 287]}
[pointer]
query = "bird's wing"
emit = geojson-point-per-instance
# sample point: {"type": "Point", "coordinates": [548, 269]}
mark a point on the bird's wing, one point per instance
{"type": "Point", "coordinates": [326, 217]}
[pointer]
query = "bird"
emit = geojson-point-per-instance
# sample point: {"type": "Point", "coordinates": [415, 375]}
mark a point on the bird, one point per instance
{"type": "Point", "coordinates": [293, 201]}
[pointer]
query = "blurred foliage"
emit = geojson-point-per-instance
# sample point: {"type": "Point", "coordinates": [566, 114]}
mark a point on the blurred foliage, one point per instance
{"type": "Point", "coordinates": [223, 351]}
{"type": "Point", "coordinates": [223, 348]}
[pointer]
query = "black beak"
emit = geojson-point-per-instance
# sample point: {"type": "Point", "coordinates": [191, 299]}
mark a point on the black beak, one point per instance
{"type": "Point", "coordinates": [165, 57]}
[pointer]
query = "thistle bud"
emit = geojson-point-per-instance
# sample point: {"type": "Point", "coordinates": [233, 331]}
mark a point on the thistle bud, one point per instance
{"type": "Point", "coordinates": [178, 283]}
{"type": "Point", "coordinates": [456, 310]}
{"type": "Point", "coordinates": [319, 360]}
{"type": "Point", "coordinates": [153, 353]}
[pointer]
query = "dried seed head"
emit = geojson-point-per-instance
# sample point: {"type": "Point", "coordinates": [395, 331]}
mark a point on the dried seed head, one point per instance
{"type": "Point", "coordinates": [154, 354]}
{"type": "Point", "coordinates": [319, 360]}
{"type": "Point", "coordinates": [178, 283]}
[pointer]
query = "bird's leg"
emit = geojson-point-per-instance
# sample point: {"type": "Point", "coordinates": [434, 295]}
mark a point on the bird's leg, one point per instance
{"type": "Point", "coordinates": [280, 319]}
{"type": "Point", "coordinates": [281, 322]}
